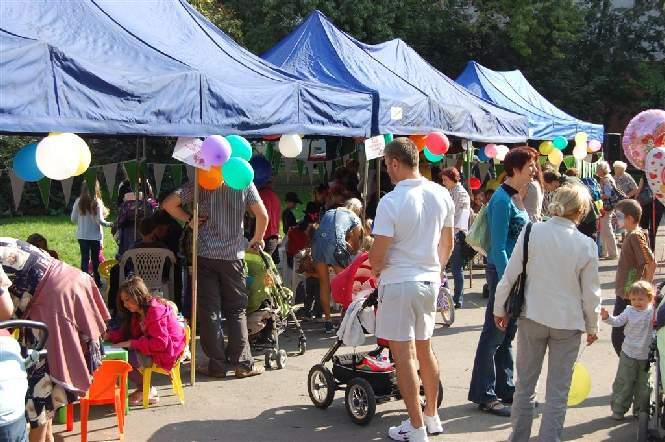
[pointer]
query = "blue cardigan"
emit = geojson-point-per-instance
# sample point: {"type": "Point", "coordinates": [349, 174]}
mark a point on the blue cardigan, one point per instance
{"type": "Point", "coordinates": [506, 221]}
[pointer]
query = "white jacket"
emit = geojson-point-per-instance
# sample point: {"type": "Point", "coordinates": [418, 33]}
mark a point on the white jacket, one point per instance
{"type": "Point", "coordinates": [562, 286]}
{"type": "Point", "coordinates": [351, 329]}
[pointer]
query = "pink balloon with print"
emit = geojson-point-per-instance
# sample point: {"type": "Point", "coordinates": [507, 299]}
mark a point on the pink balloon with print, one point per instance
{"type": "Point", "coordinates": [644, 132]}
{"type": "Point", "coordinates": [655, 172]}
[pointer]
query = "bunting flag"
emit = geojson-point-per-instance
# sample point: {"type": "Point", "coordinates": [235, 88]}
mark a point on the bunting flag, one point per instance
{"type": "Point", "coordinates": [329, 167]}
{"type": "Point", "coordinates": [176, 173]}
{"type": "Point", "coordinates": [67, 189]}
{"type": "Point", "coordinates": [569, 161]}
{"type": "Point", "coordinates": [91, 179]}
{"type": "Point", "coordinates": [300, 165]}
{"type": "Point", "coordinates": [288, 165]}
{"type": "Point", "coordinates": [45, 190]}
{"type": "Point", "coordinates": [110, 172]}
{"type": "Point", "coordinates": [190, 173]}
{"type": "Point", "coordinates": [17, 188]}
{"type": "Point", "coordinates": [132, 170]}
{"type": "Point", "coordinates": [270, 150]}
{"type": "Point", "coordinates": [158, 170]}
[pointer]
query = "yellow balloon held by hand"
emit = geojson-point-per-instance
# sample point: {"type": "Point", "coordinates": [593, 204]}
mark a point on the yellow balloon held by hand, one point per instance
{"type": "Point", "coordinates": [580, 386]}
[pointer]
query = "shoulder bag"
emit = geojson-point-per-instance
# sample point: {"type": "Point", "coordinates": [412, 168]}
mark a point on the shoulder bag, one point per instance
{"type": "Point", "coordinates": [515, 302]}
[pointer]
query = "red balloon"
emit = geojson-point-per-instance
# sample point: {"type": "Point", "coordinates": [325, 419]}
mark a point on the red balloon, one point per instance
{"type": "Point", "coordinates": [437, 143]}
{"type": "Point", "coordinates": [271, 137]}
{"type": "Point", "coordinates": [474, 183]}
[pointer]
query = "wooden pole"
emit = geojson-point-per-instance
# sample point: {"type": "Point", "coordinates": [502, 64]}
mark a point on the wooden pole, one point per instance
{"type": "Point", "coordinates": [195, 247]}
{"type": "Point", "coordinates": [365, 178]}
{"type": "Point", "coordinates": [378, 179]}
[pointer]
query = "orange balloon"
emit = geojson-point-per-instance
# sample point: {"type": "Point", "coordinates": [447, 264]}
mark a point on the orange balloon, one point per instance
{"type": "Point", "coordinates": [420, 140]}
{"type": "Point", "coordinates": [210, 179]}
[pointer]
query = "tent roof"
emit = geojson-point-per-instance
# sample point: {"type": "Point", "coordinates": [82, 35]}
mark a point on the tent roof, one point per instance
{"type": "Point", "coordinates": [510, 89]}
{"type": "Point", "coordinates": [157, 68]}
{"type": "Point", "coordinates": [317, 50]}
{"type": "Point", "coordinates": [474, 118]}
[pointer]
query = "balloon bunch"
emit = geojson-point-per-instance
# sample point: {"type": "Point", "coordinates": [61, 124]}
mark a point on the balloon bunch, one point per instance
{"type": "Point", "coordinates": [228, 161]}
{"type": "Point", "coordinates": [436, 144]}
{"type": "Point", "coordinates": [581, 146]}
{"type": "Point", "coordinates": [493, 151]}
{"type": "Point", "coordinates": [58, 156]}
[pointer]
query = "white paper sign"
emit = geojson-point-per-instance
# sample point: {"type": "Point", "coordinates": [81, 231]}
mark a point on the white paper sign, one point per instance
{"type": "Point", "coordinates": [374, 147]}
{"type": "Point", "coordinates": [396, 113]}
{"type": "Point", "coordinates": [187, 150]}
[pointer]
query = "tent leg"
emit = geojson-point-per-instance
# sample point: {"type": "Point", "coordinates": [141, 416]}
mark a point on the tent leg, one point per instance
{"type": "Point", "coordinates": [365, 176]}
{"type": "Point", "coordinates": [378, 179]}
{"type": "Point", "coordinates": [195, 241]}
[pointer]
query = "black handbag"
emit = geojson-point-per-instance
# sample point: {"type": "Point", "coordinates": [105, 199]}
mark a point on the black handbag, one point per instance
{"type": "Point", "coordinates": [515, 302]}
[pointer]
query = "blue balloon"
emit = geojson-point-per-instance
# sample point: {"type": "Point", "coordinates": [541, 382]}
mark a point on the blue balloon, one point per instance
{"type": "Point", "coordinates": [481, 155]}
{"type": "Point", "coordinates": [262, 171]}
{"type": "Point", "coordinates": [25, 163]}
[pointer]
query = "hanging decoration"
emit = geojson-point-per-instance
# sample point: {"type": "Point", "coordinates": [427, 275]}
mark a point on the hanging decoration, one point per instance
{"type": "Point", "coordinates": [25, 164]}
{"type": "Point", "coordinates": [501, 152]}
{"type": "Point", "coordinates": [240, 147]}
{"type": "Point", "coordinates": [419, 140]}
{"type": "Point", "coordinates": [437, 143]}
{"type": "Point", "coordinates": [388, 137]}
{"type": "Point", "coordinates": [17, 188]}
{"type": "Point", "coordinates": [655, 171]}
{"type": "Point", "coordinates": [593, 146]}
{"type": "Point", "coordinates": [45, 190]}
{"type": "Point", "coordinates": [210, 179]}
{"type": "Point", "coordinates": [555, 157]}
{"type": "Point", "coordinates": [644, 132]}
{"type": "Point", "coordinates": [237, 173]}
{"type": "Point", "coordinates": [546, 147]}
{"type": "Point", "coordinates": [158, 171]}
{"type": "Point", "coordinates": [290, 145]}
{"type": "Point", "coordinates": [59, 156]}
{"type": "Point", "coordinates": [67, 189]}
{"type": "Point", "coordinates": [432, 158]}
{"type": "Point", "coordinates": [560, 142]}
{"type": "Point", "coordinates": [215, 150]}
{"type": "Point", "coordinates": [110, 172]}
{"type": "Point", "coordinates": [490, 151]}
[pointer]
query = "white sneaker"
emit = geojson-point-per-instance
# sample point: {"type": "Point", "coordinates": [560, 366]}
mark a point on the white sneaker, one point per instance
{"type": "Point", "coordinates": [433, 424]}
{"type": "Point", "coordinates": [406, 433]}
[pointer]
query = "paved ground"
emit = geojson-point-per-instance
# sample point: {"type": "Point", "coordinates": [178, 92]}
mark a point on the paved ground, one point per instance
{"type": "Point", "coordinates": [276, 407]}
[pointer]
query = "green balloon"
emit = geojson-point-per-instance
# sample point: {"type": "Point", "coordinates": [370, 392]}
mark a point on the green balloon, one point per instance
{"type": "Point", "coordinates": [240, 147]}
{"type": "Point", "coordinates": [388, 137]}
{"type": "Point", "coordinates": [560, 142]}
{"type": "Point", "coordinates": [238, 173]}
{"type": "Point", "coordinates": [431, 157]}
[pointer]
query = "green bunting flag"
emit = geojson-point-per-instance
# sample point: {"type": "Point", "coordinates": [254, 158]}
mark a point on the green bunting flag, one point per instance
{"type": "Point", "coordinates": [301, 167]}
{"type": "Point", "coordinates": [45, 190]}
{"type": "Point", "coordinates": [90, 179]}
{"type": "Point", "coordinates": [132, 170]}
{"type": "Point", "coordinates": [570, 162]}
{"type": "Point", "coordinates": [176, 173]}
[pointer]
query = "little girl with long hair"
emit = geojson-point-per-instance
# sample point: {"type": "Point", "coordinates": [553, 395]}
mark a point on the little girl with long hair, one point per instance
{"type": "Point", "coordinates": [150, 331]}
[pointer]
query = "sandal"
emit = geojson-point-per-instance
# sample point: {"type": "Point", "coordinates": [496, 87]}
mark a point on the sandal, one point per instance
{"type": "Point", "coordinates": [496, 408]}
{"type": "Point", "coordinates": [136, 399]}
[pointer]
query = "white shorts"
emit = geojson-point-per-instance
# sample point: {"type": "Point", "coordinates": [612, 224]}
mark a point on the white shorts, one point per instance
{"type": "Point", "coordinates": [406, 311]}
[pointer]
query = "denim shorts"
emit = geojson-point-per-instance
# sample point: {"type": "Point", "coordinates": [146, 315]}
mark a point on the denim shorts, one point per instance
{"type": "Point", "coordinates": [14, 431]}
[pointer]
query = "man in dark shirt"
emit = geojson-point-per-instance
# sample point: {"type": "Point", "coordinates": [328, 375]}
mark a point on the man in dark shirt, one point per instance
{"type": "Point", "coordinates": [288, 217]}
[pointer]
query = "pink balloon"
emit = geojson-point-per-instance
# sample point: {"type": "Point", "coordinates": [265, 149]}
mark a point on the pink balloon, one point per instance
{"type": "Point", "coordinates": [594, 145]}
{"type": "Point", "coordinates": [437, 143]}
{"type": "Point", "coordinates": [215, 150]}
{"type": "Point", "coordinates": [491, 151]}
{"type": "Point", "coordinates": [644, 132]}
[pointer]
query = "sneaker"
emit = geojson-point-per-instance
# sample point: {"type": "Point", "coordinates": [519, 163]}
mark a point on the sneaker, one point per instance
{"type": "Point", "coordinates": [433, 424]}
{"type": "Point", "coordinates": [617, 416]}
{"type": "Point", "coordinates": [249, 372]}
{"type": "Point", "coordinates": [406, 433]}
{"type": "Point", "coordinates": [329, 328]}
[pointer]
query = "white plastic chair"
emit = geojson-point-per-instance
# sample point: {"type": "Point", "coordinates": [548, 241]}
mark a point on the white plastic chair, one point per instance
{"type": "Point", "coordinates": [149, 265]}
{"type": "Point", "coordinates": [297, 277]}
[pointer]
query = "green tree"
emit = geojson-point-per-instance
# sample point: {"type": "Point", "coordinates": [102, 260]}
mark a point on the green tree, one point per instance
{"type": "Point", "coordinates": [220, 16]}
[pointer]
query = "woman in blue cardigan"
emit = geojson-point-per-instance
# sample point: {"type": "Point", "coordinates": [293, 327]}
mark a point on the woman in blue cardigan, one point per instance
{"type": "Point", "coordinates": [492, 378]}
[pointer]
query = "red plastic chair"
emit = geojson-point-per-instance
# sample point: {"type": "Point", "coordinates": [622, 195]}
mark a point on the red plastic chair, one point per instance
{"type": "Point", "coordinates": [109, 386]}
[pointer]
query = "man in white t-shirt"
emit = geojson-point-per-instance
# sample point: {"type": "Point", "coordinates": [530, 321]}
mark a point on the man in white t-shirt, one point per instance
{"type": "Point", "coordinates": [414, 235]}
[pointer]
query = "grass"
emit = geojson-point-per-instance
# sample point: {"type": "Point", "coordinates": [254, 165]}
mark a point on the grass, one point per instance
{"type": "Point", "coordinates": [58, 230]}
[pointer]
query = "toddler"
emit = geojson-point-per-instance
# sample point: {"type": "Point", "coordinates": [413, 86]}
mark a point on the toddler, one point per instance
{"type": "Point", "coordinates": [632, 378]}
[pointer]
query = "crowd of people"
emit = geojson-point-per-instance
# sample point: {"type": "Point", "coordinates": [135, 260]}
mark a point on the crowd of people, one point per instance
{"type": "Point", "coordinates": [414, 231]}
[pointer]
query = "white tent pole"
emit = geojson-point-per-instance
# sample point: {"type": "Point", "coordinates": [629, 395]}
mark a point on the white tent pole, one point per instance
{"type": "Point", "coordinates": [195, 241]}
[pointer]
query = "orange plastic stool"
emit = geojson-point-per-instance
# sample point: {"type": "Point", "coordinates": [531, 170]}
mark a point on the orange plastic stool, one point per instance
{"type": "Point", "coordinates": [109, 386]}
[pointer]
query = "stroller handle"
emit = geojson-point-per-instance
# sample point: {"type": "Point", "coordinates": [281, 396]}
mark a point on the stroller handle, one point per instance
{"type": "Point", "coordinates": [24, 323]}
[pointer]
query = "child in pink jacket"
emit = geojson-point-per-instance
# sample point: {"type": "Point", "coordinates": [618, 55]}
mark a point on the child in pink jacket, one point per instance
{"type": "Point", "coordinates": [150, 331]}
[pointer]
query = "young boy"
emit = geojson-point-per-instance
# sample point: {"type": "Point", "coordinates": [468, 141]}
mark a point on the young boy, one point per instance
{"type": "Point", "coordinates": [636, 262]}
{"type": "Point", "coordinates": [632, 378]}
{"type": "Point", "coordinates": [288, 217]}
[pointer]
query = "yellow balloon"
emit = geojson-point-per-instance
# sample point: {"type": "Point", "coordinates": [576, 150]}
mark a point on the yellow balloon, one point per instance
{"type": "Point", "coordinates": [52, 134]}
{"type": "Point", "coordinates": [546, 147]}
{"type": "Point", "coordinates": [580, 385]}
{"type": "Point", "coordinates": [581, 137]}
{"type": "Point", "coordinates": [555, 157]}
{"type": "Point", "coordinates": [84, 161]}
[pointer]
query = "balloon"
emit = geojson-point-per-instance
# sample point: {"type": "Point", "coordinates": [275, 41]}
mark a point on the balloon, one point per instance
{"type": "Point", "coordinates": [501, 152]}
{"type": "Point", "coordinates": [240, 147]}
{"type": "Point", "coordinates": [262, 171]}
{"type": "Point", "coordinates": [437, 143]}
{"type": "Point", "coordinates": [490, 151]}
{"type": "Point", "coordinates": [474, 183]}
{"type": "Point", "coordinates": [555, 157]}
{"type": "Point", "coordinates": [420, 141]}
{"type": "Point", "coordinates": [271, 137]}
{"type": "Point", "coordinates": [84, 160]}
{"type": "Point", "coordinates": [432, 158]}
{"type": "Point", "coordinates": [482, 156]}
{"type": "Point", "coordinates": [594, 146]}
{"type": "Point", "coordinates": [644, 132]}
{"type": "Point", "coordinates": [581, 137]}
{"type": "Point", "coordinates": [210, 179]}
{"type": "Point", "coordinates": [655, 171]}
{"type": "Point", "coordinates": [545, 147]}
{"type": "Point", "coordinates": [579, 152]}
{"type": "Point", "coordinates": [560, 143]}
{"type": "Point", "coordinates": [237, 173]}
{"type": "Point", "coordinates": [59, 156]}
{"type": "Point", "coordinates": [25, 164]}
{"type": "Point", "coordinates": [215, 150]}
{"type": "Point", "coordinates": [580, 385]}
{"type": "Point", "coordinates": [388, 137]}
{"type": "Point", "coordinates": [290, 145]}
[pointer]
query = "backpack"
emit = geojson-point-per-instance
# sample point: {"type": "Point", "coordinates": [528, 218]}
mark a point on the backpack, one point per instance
{"type": "Point", "coordinates": [594, 188]}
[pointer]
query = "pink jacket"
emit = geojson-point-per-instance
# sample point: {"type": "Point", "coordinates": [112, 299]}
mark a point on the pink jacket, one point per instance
{"type": "Point", "coordinates": [159, 336]}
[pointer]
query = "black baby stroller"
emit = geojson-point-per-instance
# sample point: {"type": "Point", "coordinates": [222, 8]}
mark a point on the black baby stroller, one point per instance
{"type": "Point", "coordinates": [269, 309]}
{"type": "Point", "coordinates": [367, 378]}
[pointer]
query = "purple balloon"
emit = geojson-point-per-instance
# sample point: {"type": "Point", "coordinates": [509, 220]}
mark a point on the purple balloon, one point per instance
{"type": "Point", "coordinates": [215, 150]}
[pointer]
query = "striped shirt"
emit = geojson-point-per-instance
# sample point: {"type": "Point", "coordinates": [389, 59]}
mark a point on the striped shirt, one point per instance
{"type": "Point", "coordinates": [462, 202]}
{"type": "Point", "coordinates": [221, 236]}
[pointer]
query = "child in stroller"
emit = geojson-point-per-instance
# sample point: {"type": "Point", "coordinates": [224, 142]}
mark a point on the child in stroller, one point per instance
{"type": "Point", "coordinates": [368, 378]}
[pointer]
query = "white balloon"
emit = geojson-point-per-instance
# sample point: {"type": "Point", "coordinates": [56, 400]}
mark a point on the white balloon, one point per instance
{"type": "Point", "coordinates": [501, 152]}
{"type": "Point", "coordinates": [290, 145]}
{"type": "Point", "coordinates": [579, 152]}
{"type": "Point", "coordinates": [59, 156]}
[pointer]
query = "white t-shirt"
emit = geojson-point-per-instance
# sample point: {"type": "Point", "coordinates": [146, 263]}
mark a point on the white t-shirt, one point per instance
{"type": "Point", "coordinates": [413, 215]}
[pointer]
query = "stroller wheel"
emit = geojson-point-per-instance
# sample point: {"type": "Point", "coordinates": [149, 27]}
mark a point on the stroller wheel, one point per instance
{"type": "Point", "coordinates": [360, 401]}
{"type": "Point", "coordinates": [302, 346]}
{"type": "Point", "coordinates": [269, 357]}
{"type": "Point", "coordinates": [281, 359]}
{"type": "Point", "coordinates": [321, 386]}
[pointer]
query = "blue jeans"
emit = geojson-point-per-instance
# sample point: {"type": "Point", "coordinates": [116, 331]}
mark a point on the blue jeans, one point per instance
{"type": "Point", "coordinates": [14, 431]}
{"type": "Point", "coordinates": [492, 376]}
{"type": "Point", "coordinates": [457, 267]}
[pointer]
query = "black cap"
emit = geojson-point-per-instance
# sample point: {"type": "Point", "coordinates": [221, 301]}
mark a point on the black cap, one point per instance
{"type": "Point", "coordinates": [312, 207]}
{"type": "Point", "coordinates": [292, 197]}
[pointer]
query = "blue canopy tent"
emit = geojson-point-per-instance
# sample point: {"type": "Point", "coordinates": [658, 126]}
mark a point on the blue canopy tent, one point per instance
{"type": "Point", "coordinates": [153, 68]}
{"type": "Point", "coordinates": [511, 90]}
{"type": "Point", "coordinates": [479, 120]}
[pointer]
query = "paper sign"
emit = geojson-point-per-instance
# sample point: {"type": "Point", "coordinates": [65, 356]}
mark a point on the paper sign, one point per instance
{"type": "Point", "coordinates": [187, 150]}
{"type": "Point", "coordinates": [374, 147]}
{"type": "Point", "coordinates": [396, 113]}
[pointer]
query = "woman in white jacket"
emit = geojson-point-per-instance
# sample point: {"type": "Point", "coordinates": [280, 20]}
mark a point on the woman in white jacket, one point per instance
{"type": "Point", "coordinates": [562, 301]}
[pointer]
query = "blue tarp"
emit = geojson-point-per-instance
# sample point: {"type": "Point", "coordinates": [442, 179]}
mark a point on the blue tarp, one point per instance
{"type": "Point", "coordinates": [479, 120]}
{"type": "Point", "coordinates": [511, 90]}
{"type": "Point", "coordinates": [157, 68]}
